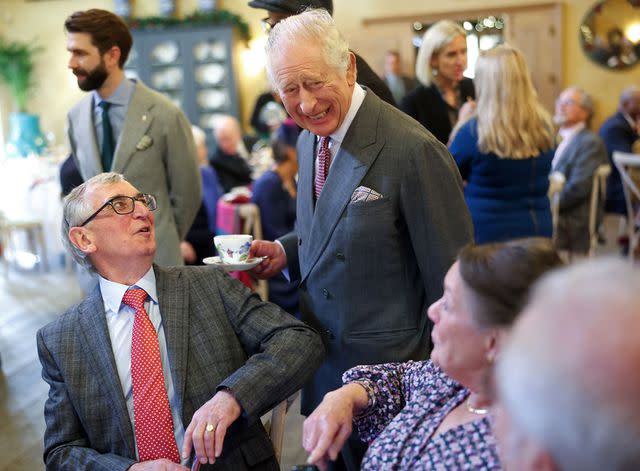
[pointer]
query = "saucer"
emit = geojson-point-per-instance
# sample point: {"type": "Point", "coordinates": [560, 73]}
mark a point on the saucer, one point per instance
{"type": "Point", "coordinates": [240, 266]}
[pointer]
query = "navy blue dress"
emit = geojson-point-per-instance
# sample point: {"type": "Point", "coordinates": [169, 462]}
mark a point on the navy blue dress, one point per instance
{"type": "Point", "coordinates": [507, 198]}
{"type": "Point", "coordinates": [278, 216]}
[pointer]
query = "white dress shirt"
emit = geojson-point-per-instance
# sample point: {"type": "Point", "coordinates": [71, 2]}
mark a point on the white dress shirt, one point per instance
{"type": "Point", "coordinates": [120, 324]}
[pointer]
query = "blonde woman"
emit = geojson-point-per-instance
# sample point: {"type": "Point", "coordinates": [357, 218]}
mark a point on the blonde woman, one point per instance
{"type": "Point", "coordinates": [504, 151]}
{"type": "Point", "coordinates": [443, 90]}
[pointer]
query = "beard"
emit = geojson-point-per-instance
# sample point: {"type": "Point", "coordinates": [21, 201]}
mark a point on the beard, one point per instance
{"type": "Point", "coordinates": [94, 79]}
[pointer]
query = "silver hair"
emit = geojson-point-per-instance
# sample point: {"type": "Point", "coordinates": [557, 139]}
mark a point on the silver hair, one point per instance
{"type": "Point", "coordinates": [628, 93]}
{"type": "Point", "coordinates": [568, 375]}
{"type": "Point", "coordinates": [586, 100]}
{"type": "Point", "coordinates": [437, 37]}
{"type": "Point", "coordinates": [311, 27]}
{"type": "Point", "coordinates": [76, 209]}
{"type": "Point", "coordinates": [199, 135]}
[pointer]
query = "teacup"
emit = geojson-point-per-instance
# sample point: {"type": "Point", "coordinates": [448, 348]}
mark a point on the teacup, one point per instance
{"type": "Point", "coordinates": [233, 248]}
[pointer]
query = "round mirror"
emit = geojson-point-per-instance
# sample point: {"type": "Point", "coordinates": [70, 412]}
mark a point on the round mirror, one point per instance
{"type": "Point", "coordinates": [610, 33]}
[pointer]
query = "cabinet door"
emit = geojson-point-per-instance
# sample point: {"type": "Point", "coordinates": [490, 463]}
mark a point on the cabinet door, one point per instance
{"type": "Point", "coordinates": [193, 67]}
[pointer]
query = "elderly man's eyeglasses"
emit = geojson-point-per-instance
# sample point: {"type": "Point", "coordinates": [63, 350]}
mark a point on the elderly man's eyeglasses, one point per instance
{"type": "Point", "coordinates": [125, 205]}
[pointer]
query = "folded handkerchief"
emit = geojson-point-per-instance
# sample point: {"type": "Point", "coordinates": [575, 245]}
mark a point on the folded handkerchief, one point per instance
{"type": "Point", "coordinates": [363, 194]}
{"type": "Point", "coordinates": [144, 143]}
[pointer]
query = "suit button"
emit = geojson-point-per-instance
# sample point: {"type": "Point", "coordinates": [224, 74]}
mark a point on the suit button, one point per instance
{"type": "Point", "coordinates": [340, 256]}
{"type": "Point", "coordinates": [330, 335]}
{"type": "Point", "coordinates": [299, 242]}
{"type": "Point", "coordinates": [325, 293]}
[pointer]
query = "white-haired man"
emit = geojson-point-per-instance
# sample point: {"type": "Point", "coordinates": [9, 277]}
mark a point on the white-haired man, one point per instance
{"type": "Point", "coordinates": [159, 360]}
{"type": "Point", "coordinates": [578, 155]}
{"type": "Point", "coordinates": [380, 211]}
{"type": "Point", "coordinates": [568, 379]}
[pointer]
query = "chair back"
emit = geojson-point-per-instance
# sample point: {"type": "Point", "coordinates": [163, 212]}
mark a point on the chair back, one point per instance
{"type": "Point", "coordinates": [598, 195]}
{"type": "Point", "coordinates": [629, 167]}
{"type": "Point", "coordinates": [556, 183]}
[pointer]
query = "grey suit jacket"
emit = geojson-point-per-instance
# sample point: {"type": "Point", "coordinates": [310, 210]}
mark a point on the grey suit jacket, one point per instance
{"type": "Point", "coordinates": [369, 271]}
{"type": "Point", "coordinates": [579, 160]}
{"type": "Point", "coordinates": [166, 167]}
{"type": "Point", "coordinates": [218, 334]}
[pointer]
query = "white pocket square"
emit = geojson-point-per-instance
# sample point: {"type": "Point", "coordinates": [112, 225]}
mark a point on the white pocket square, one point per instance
{"type": "Point", "coordinates": [144, 143]}
{"type": "Point", "coordinates": [363, 194]}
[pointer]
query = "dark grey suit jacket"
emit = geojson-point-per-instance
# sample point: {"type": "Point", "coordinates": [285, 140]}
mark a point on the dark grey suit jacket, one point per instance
{"type": "Point", "coordinates": [218, 334]}
{"type": "Point", "coordinates": [369, 271]}
{"type": "Point", "coordinates": [578, 161]}
{"type": "Point", "coordinates": [155, 153]}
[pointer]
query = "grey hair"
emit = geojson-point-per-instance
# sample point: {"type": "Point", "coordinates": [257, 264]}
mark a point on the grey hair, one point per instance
{"type": "Point", "coordinates": [568, 375]}
{"type": "Point", "coordinates": [76, 209]}
{"type": "Point", "coordinates": [586, 100]}
{"type": "Point", "coordinates": [311, 27]}
{"type": "Point", "coordinates": [437, 37]}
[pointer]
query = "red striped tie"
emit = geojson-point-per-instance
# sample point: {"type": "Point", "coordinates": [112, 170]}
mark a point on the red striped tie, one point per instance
{"type": "Point", "coordinates": [324, 162]}
{"type": "Point", "coordinates": [153, 421]}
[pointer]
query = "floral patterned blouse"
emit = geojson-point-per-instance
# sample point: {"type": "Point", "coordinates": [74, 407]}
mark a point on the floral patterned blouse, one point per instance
{"type": "Point", "coordinates": [411, 400]}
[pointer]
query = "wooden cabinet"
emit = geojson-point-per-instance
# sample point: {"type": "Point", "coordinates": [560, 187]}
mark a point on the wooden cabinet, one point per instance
{"type": "Point", "coordinates": [192, 66]}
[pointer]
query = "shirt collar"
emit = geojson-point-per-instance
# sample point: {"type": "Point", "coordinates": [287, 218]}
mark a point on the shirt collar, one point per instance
{"type": "Point", "coordinates": [120, 96]}
{"type": "Point", "coordinates": [576, 128]}
{"type": "Point", "coordinates": [357, 97]}
{"type": "Point", "coordinates": [113, 292]}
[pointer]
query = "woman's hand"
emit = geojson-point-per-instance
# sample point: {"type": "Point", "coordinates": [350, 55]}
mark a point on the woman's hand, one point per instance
{"type": "Point", "coordinates": [326, 430]}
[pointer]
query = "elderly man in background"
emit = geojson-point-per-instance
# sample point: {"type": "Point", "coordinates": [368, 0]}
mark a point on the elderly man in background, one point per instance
{"type": "Point", "coordinates": [621, 132]}
{"type": "Point", "coordinates": [380, 211]}
{"type": "Point", "coordinates": [578, 155]}
{"type": "Point", "coordinates": [278, 10]}
{"type": "Point", "coordinates": [231, 167]}
{"type": "Point", "coordinates": [159, 360]}
{"type": "Point", "coordinates": [123, 126]}
{"type": "Point", "coordinates": [568, 379]}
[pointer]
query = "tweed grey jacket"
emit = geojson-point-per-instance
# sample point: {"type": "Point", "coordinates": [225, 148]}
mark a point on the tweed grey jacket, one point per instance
{"type": "Point", "coordinates": [218, 333]}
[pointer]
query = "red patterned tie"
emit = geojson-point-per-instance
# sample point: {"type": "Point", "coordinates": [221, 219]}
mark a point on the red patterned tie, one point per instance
{"type": "Point", "coordinates": [324, 162]}
{"type": "Point", "coordinates": [153, 421]}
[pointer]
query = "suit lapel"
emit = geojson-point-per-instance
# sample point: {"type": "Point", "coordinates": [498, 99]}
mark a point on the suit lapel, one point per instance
{"type": "Point", "coordinates": [87, 150]}
{"type": "Point", "coordinates": [94, 336]}
{"type": "Point", "coordinates": [357, 153]}
{"type": "Point", "coordinates": [136, 123]}
{"type": "Point", "coordinates": [174, 310]}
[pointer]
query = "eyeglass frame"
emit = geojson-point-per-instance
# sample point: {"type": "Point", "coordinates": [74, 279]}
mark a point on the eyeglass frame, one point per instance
{"type": "Point", "coordinates": [148, 200]}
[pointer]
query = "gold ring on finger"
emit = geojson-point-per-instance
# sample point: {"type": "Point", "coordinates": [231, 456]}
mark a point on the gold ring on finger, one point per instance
{"type": "Point", "coordinates": [209, 428]}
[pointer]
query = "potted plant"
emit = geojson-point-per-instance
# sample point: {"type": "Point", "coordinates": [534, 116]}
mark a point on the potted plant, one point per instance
{"type": "Point", "coordinates": [16, 72]}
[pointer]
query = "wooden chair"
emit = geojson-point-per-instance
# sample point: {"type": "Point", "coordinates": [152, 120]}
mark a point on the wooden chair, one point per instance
{"type": "Point", "coordinates": [629, 167]}
{"type": "Point", "coordinates": [556, 183]}
{"type": "Point", "coordinates": [598, 195]}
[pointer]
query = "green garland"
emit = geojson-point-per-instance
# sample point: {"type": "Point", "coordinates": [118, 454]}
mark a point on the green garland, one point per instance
{"type": "Point", "coordinates": [198, 18]}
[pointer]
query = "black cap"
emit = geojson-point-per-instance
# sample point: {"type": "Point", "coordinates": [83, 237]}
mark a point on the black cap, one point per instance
{"type": "Point", "coordinates": [292, 7]}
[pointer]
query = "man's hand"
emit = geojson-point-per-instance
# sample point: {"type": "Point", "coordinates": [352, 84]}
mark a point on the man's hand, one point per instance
{"type": "Point", "coordinates": [219, 412]}
{"type": "Point", "coordinates": [275, 261]}
{"type": "Point", "coordinates": [157, 465]}
{"type": "Point", "coordinates": [326, 430]}
{"type": "Point", "coordinates": [188, 252]}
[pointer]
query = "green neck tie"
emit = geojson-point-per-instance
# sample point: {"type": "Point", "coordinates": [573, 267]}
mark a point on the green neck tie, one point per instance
{"type": "Point", "coordinates": [107, 137]}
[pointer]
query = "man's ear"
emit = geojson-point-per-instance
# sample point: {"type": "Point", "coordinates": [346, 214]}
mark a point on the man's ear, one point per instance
{"type": "Point", "coordinates": [352, 72]}
{"type": "Point", "coordinates": [81, 238]}
{"type": "Point", "coordinates": [112, 57]}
